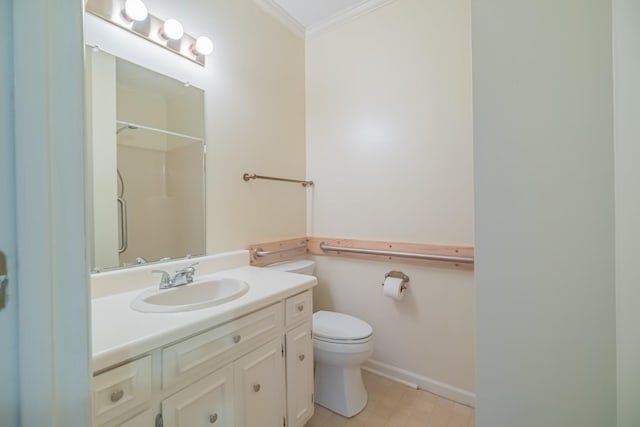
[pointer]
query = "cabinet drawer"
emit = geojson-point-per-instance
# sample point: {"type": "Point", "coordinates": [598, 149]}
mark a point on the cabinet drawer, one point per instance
{"type": "Point", "coordinates": [141, 420]}
{"type": "Point", "coordinates": [122, 389]}
{"type": "Point", "coordinates": [298, 308]}
{"type": "Point", "coordinates": [204, 353]}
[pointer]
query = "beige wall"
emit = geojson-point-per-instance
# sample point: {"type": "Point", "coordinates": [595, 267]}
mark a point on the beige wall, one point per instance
{"type": "Point", "coordinates": [254, 109]}
{"type": "Point", "coordinates": [389, 145]}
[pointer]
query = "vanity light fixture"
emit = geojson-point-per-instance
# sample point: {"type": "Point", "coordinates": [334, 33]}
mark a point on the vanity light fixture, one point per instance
{"type": "Point", "coordinates": [135, 10]}
{"type": "Point", "coordinates": [172, 29]}
{"type": "Point", "coordinates": [133, 16]}
{"type": "Point", "coordinates": [203, 46]}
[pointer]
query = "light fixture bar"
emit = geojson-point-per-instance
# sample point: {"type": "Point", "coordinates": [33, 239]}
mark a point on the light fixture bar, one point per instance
{"type": "Point", "coordinates": [151, 28]}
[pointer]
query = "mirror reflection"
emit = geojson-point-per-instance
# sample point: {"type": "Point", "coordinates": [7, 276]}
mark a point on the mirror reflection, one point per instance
{"type": "Point", "coordinates": [147, 151]}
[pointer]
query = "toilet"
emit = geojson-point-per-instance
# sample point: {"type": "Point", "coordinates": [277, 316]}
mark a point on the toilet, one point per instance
{"type": "Point", "coordinates": [341, 343]}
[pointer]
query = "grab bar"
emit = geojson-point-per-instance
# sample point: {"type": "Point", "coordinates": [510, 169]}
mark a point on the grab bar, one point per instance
{"type": "Point", "coordinates": [259, 252]}
{"type": "Point", "coordinates": [248, 177]}
{"type": "Point", "coordinates": [414, 255]}
{"type": "Point", "coordinates": [122, 212]}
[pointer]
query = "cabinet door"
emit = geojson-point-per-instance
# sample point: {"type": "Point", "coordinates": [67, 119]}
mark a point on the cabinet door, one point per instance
{"type": "Point", "coordinates": [207, 402]}
{"type": "Point", "coordinates": [260, 387]}
{"type": "Point", "coordinates": [299, 375]}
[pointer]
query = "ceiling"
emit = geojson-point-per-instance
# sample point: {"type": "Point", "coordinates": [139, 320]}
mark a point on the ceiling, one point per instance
{"type": "Point", "coordinates": [312, 14]}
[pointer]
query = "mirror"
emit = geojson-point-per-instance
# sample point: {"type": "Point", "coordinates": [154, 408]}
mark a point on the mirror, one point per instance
{"type": "Point", "coordinates": [147, 170]}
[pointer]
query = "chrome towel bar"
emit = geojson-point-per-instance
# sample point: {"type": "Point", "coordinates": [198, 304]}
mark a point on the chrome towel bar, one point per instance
{"type": "Point", "coordinates": [414, 255]}
{"type": "Point", "coordinates": [250, 176]}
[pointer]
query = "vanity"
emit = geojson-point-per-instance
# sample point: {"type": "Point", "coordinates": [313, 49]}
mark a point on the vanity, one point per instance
{"type": "Point", "coordinates": [233, 348]}
{"type": "Point", "coordinates": [247, 361]}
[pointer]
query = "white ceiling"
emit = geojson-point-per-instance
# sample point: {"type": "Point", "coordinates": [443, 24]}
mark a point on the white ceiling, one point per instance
{"type": "Point", "coordinates": [311, 12]}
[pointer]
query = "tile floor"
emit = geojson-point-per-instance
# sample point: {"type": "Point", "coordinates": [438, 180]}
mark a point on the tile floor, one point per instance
{"type": "Point", "coordinates": [394, 405]}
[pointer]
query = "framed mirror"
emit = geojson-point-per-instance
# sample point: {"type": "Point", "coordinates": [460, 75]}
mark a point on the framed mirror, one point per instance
{"type": "Point", "coordinates": [147, 151]}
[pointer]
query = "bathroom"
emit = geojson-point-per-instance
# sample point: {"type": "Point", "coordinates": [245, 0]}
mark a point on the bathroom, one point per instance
{"type": "Point", "coordinates": [379, 111]}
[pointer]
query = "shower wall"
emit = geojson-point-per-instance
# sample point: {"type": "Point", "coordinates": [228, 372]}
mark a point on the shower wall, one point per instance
{"type": "Point", "coordinates": [158, 187]}
{"type": "Point", "coordinates": [185, 183]}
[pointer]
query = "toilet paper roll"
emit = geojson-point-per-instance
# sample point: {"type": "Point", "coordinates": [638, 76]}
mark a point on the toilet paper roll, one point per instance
{"type": "Point", "coordinates": [393, 288]}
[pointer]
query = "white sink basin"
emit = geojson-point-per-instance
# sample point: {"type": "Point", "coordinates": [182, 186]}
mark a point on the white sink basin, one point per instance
{"type": "Point", "coordinates": [193, 296]}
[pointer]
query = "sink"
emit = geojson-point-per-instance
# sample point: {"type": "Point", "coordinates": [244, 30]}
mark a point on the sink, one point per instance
{"type": "Point", "coordinates": [193, 296]}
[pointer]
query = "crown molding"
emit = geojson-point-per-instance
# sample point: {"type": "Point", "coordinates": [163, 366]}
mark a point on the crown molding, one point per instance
{"type": "Point", "coordinates": [273, 9]}
{"type": "Point", "coordinates": [346, 15]}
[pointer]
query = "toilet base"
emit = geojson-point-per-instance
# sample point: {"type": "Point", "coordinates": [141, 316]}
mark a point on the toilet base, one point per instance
{"type": "Point", "coordinates": [340, 389]}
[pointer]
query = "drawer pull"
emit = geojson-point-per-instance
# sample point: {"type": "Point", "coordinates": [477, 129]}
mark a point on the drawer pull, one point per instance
{"type": "Point", "coordinates": [256, 387]}
{"type": "Point", "coordinates": [236, 338]}
{"type": "Point", "coordinates": [301, 357]}
{"type": "Point", "coordinates": [117, 395]}
{"type": "Point", "coordinates": [213, 418]}
{"type": "Point", "coordinates": [300, 307]}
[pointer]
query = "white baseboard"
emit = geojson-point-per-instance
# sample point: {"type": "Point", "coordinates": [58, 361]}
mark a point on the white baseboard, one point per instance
{"type": "Point", "coordinates": [414, 380]}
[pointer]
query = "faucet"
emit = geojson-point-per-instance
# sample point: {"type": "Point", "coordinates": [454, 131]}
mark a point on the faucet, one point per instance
{"type": "Point", "coordinates": [182, 277]}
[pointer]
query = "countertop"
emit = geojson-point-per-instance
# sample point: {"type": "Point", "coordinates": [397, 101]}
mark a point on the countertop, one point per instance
{"type": "Point", "coordinates": [120, 333]}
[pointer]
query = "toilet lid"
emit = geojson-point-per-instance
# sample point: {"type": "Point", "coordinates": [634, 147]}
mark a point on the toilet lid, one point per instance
{"type": "Point", "coordinates": [339, 326]}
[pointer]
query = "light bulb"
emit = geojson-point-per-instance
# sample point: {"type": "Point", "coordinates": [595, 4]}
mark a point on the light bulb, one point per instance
{"type": "Point", "coordinates": [172, 29]}
{"type": "Point", "coordinates": [203, 46]}
{"type": "Point", "coordinates": [135, 10]}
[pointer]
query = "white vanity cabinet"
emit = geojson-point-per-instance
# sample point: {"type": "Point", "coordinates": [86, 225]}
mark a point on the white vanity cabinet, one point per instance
{"type": "Point", "coordinates": [253, 371]}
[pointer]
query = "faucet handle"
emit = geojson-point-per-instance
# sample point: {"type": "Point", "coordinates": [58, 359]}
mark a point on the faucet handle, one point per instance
{"type": "Point", "coordinates": [165, 280]}
{"type": "Point", "coordinates": [190, 269]}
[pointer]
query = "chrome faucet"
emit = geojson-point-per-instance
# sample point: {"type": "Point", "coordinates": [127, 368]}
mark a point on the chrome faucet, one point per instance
{"type": "Point", "coordinates": [165, 281]}
{"type": "Point", "coordinates": [182, 277]}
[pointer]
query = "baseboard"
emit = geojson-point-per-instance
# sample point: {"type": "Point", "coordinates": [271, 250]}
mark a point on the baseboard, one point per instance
{"type": "Point", "coordinates": [414, 380]}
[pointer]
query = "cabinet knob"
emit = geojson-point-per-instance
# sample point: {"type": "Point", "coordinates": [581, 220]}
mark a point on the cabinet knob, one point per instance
{"type": "Point", "coordinates": [213, 418]}
{"type": "Point", "coordinates": [117, 395]}
{"type": "Point", "coordinates": [256, 387]}
{"type": "Point", "coordinates": [236, 338]}
{"type": "Point", "coordinates": [300, 307]}
{"type": "Point", "coordinates": [301, 357]}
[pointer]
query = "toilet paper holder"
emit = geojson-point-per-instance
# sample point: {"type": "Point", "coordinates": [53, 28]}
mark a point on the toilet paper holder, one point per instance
{"type": "Point", "coordinates": [399, 275]}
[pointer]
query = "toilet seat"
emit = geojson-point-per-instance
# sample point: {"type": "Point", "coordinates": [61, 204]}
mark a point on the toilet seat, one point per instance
{"type": "Point", "coordinates": [340, 328]}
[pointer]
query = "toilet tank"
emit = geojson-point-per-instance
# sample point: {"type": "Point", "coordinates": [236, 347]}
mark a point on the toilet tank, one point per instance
{"type": "Point", "coordinates": [300, 266]}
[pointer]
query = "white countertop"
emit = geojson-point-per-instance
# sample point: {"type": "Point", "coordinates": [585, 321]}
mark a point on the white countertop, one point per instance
{"type": "Point", "coordinates": [120, 333]}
